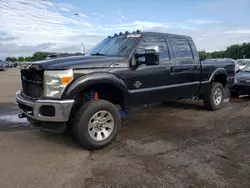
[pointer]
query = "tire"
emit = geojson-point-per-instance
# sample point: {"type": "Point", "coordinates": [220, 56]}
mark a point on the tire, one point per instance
{"type": "Point", "coordinates": [83, 128]}
{"type": "Point", "coordinates": [209, 98]}
{"type": "Point", "coordinates": [234, 94]}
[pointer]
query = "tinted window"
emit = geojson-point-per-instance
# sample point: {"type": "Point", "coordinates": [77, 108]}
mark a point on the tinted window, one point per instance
{"type": "Point", "coordinates": [182, 50]}
{"type": "Point", "coordinates": [243, 62]}
{"type": "Point", "coordinates": [155, 41]}
{"type": "Point", "coordinates": [119, 46]}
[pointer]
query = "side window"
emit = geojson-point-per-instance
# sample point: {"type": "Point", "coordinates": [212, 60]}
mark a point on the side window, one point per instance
{"type": "Point", "coordinates": [182, 50]}
{"type": "Point", "coordinates": [155, 41]}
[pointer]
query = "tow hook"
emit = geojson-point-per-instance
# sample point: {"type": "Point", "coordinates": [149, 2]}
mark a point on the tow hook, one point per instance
{"type": "Point", "coordinates": [22, 115]}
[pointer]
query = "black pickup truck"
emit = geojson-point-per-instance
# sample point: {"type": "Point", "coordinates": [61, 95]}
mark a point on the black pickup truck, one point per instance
{"type": "Point", "coordinates": [87, 93]}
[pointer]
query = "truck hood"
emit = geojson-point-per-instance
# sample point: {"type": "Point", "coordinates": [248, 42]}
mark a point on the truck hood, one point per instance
{"type": "Point", "coordinates": [243, 76]}
{"type": "Point", "coordinates": [77, 62]}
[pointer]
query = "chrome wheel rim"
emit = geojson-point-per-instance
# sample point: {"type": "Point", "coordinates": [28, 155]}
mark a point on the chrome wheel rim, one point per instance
{"type": "Point", "coordinates": [217, 96]}
{"type": "Point", "coordinates": [101, 125]}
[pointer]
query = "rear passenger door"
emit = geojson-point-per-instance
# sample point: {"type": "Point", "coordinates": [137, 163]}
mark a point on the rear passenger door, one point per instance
{"type": "Point", "coordinates": [186, 69]}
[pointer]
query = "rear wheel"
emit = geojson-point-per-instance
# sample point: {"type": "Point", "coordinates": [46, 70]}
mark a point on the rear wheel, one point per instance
{"type": "Point", "coordinates": [213, 99]}
{"type": "Point", "coordinates": [96, 124]}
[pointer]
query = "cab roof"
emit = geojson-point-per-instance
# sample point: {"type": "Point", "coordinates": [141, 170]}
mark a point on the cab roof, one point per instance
{"type": "Point", "coordinates": [151, 33]}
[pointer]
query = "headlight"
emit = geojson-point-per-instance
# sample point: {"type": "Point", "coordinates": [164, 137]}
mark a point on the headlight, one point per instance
{"type": "Point", "coordinates": [56, 81]}
{"type": "Point", "coordinates": [235, 81]}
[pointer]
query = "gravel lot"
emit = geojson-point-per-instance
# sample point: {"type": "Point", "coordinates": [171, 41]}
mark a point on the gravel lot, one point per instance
{"type": "Point", "coordinates": [162, 145]}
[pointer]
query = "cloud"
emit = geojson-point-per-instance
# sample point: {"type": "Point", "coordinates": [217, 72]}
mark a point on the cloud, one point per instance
{"type": "Point", "coordinates": [204, 21]}
{"type": "Point", "coordinates": [28, 26]}
{"type": "Point", "coordinates": [64, 9]}
{"type": "Point", "coordinates": [239, 31]}
{"type": "Point", "coordinates": [22, 50]}
{"type": "Point", "coordinates": [121, 17]}
{"type": "Point", "coordinates": [6, 37]}
{"type": "Point", "coordinates": [36, 21]}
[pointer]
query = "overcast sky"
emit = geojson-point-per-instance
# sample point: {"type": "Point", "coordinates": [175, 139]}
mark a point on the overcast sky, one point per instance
{"type": "Point", "coordinates": [27, 26]}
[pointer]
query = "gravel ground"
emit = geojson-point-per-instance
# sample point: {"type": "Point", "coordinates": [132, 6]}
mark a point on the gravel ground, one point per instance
{"type": "Point", "coordinates": [163, 145]}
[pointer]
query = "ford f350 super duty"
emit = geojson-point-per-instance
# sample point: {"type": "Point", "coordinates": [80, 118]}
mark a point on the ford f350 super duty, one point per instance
{"type": "Point", "coordinates": [87, 93]}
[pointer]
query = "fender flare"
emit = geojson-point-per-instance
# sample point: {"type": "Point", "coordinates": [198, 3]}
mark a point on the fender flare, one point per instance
{"type": "Point", "coordinates": [216, 72]}
{"type": "Point", "coordinates": [95, 78]}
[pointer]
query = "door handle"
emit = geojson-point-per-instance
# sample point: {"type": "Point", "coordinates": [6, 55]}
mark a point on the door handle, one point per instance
{"type": "Point", "coordinates": [172, 72]}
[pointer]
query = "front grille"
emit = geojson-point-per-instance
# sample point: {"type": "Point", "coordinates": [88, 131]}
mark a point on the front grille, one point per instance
{"type": "Point", "coordinates": [244, 82]}
{"type": "Point", "coordinates": [32, 82]}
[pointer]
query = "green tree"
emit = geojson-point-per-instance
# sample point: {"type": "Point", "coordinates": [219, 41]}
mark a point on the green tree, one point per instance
{"type": "Point", "coordinates": [14, 59]}
{"type": "Point", "coordinates": [29, 59]}
{"type": "Point", "coordinates": [11, 59]}
{"type": "Point", "coordinates": [203, 55]}
{"type": "Point", "coordinates": [40, 56]}
{"type": "Point", "coordinates": [21, 59]}
{"type": "Point", "coordinates": [8, 59]}
{"type": "Point", "coordinates": [236, 51]}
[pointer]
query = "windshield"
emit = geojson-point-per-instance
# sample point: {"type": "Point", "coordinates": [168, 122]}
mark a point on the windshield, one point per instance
{"type": "Point", "coordinates": [243, 62]}
{"type": "Point", "coordinates": [119, 46]}
{"type": "Point", "coordinates": [247, 68]}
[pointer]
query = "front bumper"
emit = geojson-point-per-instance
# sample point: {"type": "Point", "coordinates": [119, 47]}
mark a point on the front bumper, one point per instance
{"type": "Point", "coordinates": [45, 110]}
{"type": "Point", "coordinates": [241, 89]}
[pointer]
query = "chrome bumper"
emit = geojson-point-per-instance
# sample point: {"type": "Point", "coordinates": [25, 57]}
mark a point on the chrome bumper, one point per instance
{"type": "Point", "coordinates": [62, 108]}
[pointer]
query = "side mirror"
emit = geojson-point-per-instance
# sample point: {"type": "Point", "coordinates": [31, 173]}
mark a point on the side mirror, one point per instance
{"type": "Point", "coordinates": [152, 55]}
{"type": "Point", "coordinates": [238, 70]}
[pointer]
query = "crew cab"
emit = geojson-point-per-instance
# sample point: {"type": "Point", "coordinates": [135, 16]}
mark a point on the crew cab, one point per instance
{"type": "Point", "coordinates": [87, 93]}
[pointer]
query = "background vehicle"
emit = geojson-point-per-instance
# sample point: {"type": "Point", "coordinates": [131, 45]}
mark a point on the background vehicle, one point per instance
{"type": "Point", "coordinates": [88, 93]}
{"type": "Point", "coordinates": [15, 64]}
{"type": "Point", "coordinates": [243, 63]}
{"type": "Point", "coordinates": [11, 64]}
{"type": "Point", "coordinates": [2, 66]}
{"type": "Point", "coordinates": [241, 84]}
{"type": "Point", "coordinates": [6, 64]}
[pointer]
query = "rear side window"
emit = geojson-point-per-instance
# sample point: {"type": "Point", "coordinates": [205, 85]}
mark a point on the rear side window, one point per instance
{"type": "Point", "coordinates": [182, 50]}
{"type": "Point", "coordinates": [155, 41]}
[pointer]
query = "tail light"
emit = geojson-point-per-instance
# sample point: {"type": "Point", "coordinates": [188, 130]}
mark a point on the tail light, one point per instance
{"type": "Point", "coordinates": [235, 69]}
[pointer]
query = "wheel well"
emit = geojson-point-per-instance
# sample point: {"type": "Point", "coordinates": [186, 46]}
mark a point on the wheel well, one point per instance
{"type": "Point", "coordinates": [107, 92]}
{"type": "Point", "coordinates": [221, 78]}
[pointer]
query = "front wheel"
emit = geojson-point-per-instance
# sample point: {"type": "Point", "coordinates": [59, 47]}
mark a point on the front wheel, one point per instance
{"type": "Point", "coordinates": [213, 99]}
{"type": "Point", "coordinates": [96, 124]}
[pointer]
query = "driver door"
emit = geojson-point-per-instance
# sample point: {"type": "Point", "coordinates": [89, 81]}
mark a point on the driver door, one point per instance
{"type": "Point", "coordinates": [148, 83]}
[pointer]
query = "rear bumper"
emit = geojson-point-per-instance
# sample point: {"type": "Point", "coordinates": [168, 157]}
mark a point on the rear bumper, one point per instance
{"type": "Point", "coordinates": [45, 110]}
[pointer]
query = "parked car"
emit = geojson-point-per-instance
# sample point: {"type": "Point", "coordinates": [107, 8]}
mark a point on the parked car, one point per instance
{"type": "Point", "coordinates": [22, 65]}
{"type": "Point", "coordinates": [2, 67]}
{"type": "Point", "coordinates": [243, 63]}
{"type": "Point", "coordinates": [241, 85]}
{"type": "Point", "coordinates": [90, 93]}
{"type": "Point", "coordinates": [6, 64]}
{"type": "Point", "coordinates": [11, 64]}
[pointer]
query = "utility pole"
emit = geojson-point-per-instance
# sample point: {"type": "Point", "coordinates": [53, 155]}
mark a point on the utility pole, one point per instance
{"type": "Point", "coordinates": [82, 48]}
{"type": "Point", "coordinates": [82, 45]}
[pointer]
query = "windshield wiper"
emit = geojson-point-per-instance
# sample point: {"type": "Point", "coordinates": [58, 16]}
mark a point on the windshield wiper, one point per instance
{"type": "Point", "coordinates": [98, 54]}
